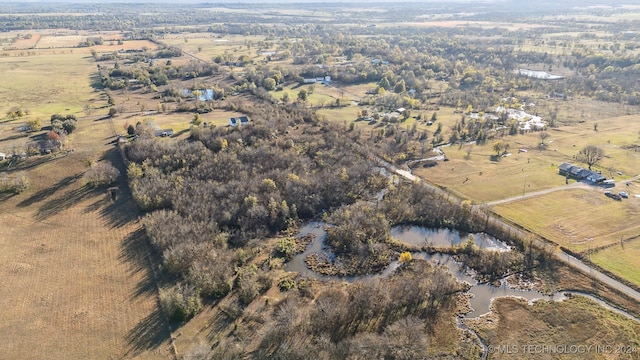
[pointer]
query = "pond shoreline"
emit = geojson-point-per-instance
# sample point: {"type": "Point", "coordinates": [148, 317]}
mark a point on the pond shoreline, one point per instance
{"type": "Point", "coordinates": [318, 261]}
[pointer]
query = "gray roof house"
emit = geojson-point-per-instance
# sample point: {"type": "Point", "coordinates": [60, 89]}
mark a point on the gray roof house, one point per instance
{"type": "Point", "coordinates": [579, 173]}
{"type": "Point", "coordinates": [564, 168]}
{"type": "Point", "coordinates": [595, 177]}
{"type": "Point", "coordinates": [575, 171]}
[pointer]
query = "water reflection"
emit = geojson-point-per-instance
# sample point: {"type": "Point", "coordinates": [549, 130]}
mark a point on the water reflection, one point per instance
{"type": "Point", "coordinates": [421, 236]}
{"type": "Point", "coordinates": [483, 294]}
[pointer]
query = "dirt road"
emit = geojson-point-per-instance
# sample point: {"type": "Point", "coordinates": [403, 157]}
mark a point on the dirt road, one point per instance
{"type": "Point", "coordinates": [576, 185]}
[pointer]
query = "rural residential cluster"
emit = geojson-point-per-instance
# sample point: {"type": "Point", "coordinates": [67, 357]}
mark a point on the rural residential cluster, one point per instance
{"type": "Point", "coordinates": [320, 180]}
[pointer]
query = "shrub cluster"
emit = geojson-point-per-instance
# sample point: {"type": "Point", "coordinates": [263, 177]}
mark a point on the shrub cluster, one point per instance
{"type": "Point", "coordinates": [102, 174]}
{"type": "Point", "coordinates": [15, 184]}
{"type": "Point", "coordinates": [63, 124]}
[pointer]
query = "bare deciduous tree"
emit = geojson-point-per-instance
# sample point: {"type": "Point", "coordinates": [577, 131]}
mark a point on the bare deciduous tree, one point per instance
{"type": "Point", "coordinates": [543, 135]}
{"type": "Point", "coordinates": [591, 155]}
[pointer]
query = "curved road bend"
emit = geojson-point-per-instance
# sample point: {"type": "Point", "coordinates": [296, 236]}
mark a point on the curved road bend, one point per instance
{"type": "Point", "coordinates": [565, 258]}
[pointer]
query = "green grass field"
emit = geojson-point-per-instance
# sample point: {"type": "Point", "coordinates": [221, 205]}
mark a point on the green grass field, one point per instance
{"type": "Point", "coordinates": [206, 45]}
{"type": "Point", "coordinates": [44, 85]}
{"type": "Point", "coordinates": [578, 219]}
{"type": "Point", "coordinates": [536, 169]}
{"type": "Point", "coordinates": [622, 260]}
{"type": "Point", "coordinates": [47, 84]}
{"type": "Point", "coordinates": [342, 114]}
{"type": "Point", "coordinates": [179, 122]}
{"type": "Point", "coordinates": [318, 95]}
{"type": "Point", "coordinates": [480, 179]}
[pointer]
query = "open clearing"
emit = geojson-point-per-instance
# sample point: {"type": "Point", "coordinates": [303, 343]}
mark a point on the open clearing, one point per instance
{"type": "Point", "coordinates": [66, 90]}
{"type": "Point", "coordinates": [207, 45]}
{"type": "Point", "coordinates": [179, 122]}
{"type": "Point", "coordinates": [77, 281]}
{"type": "Point", "coordinates": [621, 260]}
{"type": "Point", "coordinates": [576, 321]}
{"type": "Point", "coordinates": [576, 218]}
{"type": "Point", "coordinates": [536, 169]}
{"type": "Point", "coordinates": [111, 46]}
{"type": "Point", "coordinates": [317, 94]}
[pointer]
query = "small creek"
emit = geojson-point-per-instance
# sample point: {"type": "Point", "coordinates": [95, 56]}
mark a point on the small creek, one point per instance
{"type": "Point", "coordinates": [483, 294]}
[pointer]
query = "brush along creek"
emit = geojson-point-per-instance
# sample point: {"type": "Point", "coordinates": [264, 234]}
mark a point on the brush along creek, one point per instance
{"type": "Point", "coordinates": [318, 261]}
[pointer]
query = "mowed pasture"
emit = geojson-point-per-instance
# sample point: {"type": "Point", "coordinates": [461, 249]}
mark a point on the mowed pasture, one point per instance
{"type": "Point", "coordinates": [48, 84]}
{"type": "Point", "coordinates": [489, 178]}
{"type": "Point", "coordinates": [71, 39]}
{"type": "Point", "coordinates": [26, 43]}
{"type": "Point", "coordinates": [111, 46]}
{"type": "Point", "coordinates": [318, 95]}
{"type": "Point", "coordinates": [579, 219]}
{"type": "Point", "coordinates": [344, 114]}
{"type": "Point", "coordinates": [207, 45]}
{"type": "Point", "coordinates": [77, 275]}
{"type": "Point", "coordinates": [475, 176]}
{"type": "Point", "coordinates": [180, 122]}
{"type": "Point", "coordinates": [621, 259]}
{"type": "Point", "coordinates": [76, 281]}
{"type": "Point", "coordinates": [66, 41]}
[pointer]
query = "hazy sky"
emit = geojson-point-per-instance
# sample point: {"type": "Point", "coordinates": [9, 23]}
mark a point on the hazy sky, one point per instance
{"type": "Point", "coordinates": [244, 1]}
{"type": "Point", "coordinates": [526, 3]}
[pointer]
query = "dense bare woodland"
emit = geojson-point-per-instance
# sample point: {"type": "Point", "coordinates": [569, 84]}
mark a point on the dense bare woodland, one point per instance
{"type": "Point", "coordinates": [337, 98]}
{"type": "Point", "coordinates": [214, 198]}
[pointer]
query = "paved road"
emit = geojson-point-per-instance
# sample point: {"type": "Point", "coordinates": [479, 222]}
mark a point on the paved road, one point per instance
{"type": "Point", "coordinates": [565, 258]}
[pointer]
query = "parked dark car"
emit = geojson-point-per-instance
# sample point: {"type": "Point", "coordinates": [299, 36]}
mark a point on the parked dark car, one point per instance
{"type": "Point", "coordinates": [612, 195]}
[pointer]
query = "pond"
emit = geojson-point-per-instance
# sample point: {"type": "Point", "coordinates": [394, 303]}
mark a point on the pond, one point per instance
{"type": "Point", "coordinates": [205, 94]}
{"type": "Point", "coordinates": [412, 235]}
{"type": "Point", "coordinates": [421, 236]}
{"type": "Point", "coordinates": [297, 264]}
{"type": "Point", "coordinates": [483, 294]}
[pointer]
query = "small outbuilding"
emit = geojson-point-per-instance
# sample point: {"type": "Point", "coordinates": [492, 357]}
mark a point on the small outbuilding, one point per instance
{"type": "Point", "coordinates": [241, 120]}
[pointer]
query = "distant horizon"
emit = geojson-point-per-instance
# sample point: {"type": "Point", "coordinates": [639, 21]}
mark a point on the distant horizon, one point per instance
{"type": "Point", "coordinates": [283, 1]}
{"type": "Point", "coordinates": [224, 2]}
